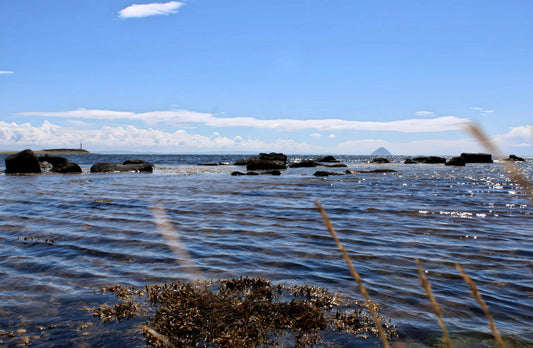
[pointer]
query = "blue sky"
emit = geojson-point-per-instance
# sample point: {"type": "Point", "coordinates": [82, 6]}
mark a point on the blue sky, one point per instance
{"type": "Point", "coordinates": [315, 76]}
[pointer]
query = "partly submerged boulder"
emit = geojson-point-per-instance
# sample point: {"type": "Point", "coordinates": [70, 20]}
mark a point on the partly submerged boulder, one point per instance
{"type": "Point", "coordinates": [456, 161]}
{"type": "Point", "coordinates": [379, 160]}
{"type": "Point", "coordinates": [514, 158]}
{"type": "Point", "coordinates": [477, 157]}
{"type": "Point", "coordinates": [267, 161]}
{"type": "Point", "coordinates": [430, 159]}
{"type": "Point", "coordinates": [324, 173]}
{"type": "Point", "coordinates": [329, 159]}
{"type": "Point", "coordinates": [113, 168]}
{"type": "Point", "coordinates": [304, 164]}
{"type": "Point", "coordinates": [23, 162]}
{"type": "Point", "coordinates": [60, 164]}
{"type": "Point", "coordinates": [409, 161]}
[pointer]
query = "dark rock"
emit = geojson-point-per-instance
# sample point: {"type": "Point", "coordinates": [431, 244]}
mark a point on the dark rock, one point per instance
{"type": "Point", "coordinates": [255, 163]}
{"type": "Point", "coordinates": [273, 172]}
{"type": "Point", "coordinates": [409, 161]}
{"type": "Point", "coordinates": [273, 156]}
{"type": "Point", "coordinates": [67, 167]}
{"type": "Point", "coordinates": [237, 173]}
{"type": "Point", "coordinates": [324, 173]}
{"type": "Point", "coordinates": [329, 159]}
{"type": "Point", "coordinates": [111, 168]}
{"type": "Point", "coordinates": [252, 173]}
{"type": "Point", "coordinates": [242, 162]}
{"type": "Point", "coordinates": [430, 159]}
{"type": "Point", "coordinates": [515, 158]}
{"type": "Point", "coordinates": [52, 159]}
{"type": "Point", "coordinates": [60, 164]}
{"type": "Point", "coordinates": [379, 160]}
{"type": "Point", "coordinates": [477, 157]}
{"type": "Point", "coordinates": [337, 165]}
{"type": "Point", "coordinates": [138, 161]}
{"type": "Point", "coordinates": [303, 164]}
{"type": "Point", "coordinates": [104, 167]}
{"type": "Point", "coordinates": [349, 171]}
{"type": "Point", "coordinates": [377, 171]}
{"type": "Point", "coordinates": [23, 162]}
{"type": "Point", "coordinates": [208, 164]}
{"type": "Point", "coordinates": [456, 161]}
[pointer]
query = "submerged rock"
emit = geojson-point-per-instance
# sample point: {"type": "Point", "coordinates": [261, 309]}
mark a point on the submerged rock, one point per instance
{"type": "Point", "coordinates": [105, 167]}
{"type": "Point", "coordinates": [267, 161]}
{"type": "Point", "coordinates": [456, 161]}
{"type": "Point", "coordinates": [430, 159]}
{"type": "Point", "coordinates": [514, 158]}
{"type": "Point", "coordinates": [329, 158]}
{"type": "Point", "coordinates": [379, 160]}
{"type": "Point", "coordinates": [60, 164]}
{"type": "Point", "coordinates": [304, 164]}
{"type": "Point", "coordinates": [23, 162]}
{"type": "Point", "coordinates": [477, 157]}
{"type": "Point", "coordinates": [325, 173]}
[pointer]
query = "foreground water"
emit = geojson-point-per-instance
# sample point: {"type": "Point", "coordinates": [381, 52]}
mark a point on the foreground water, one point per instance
{"type": "Point", "coordinates": [64, 237]}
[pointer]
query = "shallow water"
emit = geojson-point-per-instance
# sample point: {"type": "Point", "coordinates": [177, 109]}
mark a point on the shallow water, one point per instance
{"type": "Point", "coordinates": [64, 237]}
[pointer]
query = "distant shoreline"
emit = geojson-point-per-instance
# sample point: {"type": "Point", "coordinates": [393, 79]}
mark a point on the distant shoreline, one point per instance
{"type": "Point", "coordinates": [53, 152]}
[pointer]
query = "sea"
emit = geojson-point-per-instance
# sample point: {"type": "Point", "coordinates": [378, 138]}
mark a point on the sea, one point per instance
{"type": "Point", "coordinates": [65, 237]}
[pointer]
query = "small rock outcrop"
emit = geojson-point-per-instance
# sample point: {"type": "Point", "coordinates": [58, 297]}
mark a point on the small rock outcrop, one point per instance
{"type": "Point", "coordinates": [324, 173]}
{"type": "Point", "coordinates": [430, 159]}
{"type": "Point", "coordinates": [336, 165]}
{"type": "Point", "coordinates": [456, 161]}
{"type": "Point", "coordinates": [377, 171]}
{"type": "Point", "coordinates": [138, 166]}
{"type": "Point", "coordinates": [23, 162]}
{"type": "Point", "coordinates": [267, 161]}
{"type": "Point", "coordinates": [379, 160]}
{"type": "Point", "coordinates": [514, 158]}
{"type": "Point", "coordinates": [409, 161]}
{"type": "Point", "coordinates": [303, 164]}
{"type": "Point", "coordinates": [477, 157]}
{"type": "Point", "coordinates": [328, 159]}
{"type": "Point", "coordinates": [60, 164]}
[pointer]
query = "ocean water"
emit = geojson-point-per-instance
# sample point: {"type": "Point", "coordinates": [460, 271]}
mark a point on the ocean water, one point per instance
{"type": "Point", "coordinates": [64, 237]}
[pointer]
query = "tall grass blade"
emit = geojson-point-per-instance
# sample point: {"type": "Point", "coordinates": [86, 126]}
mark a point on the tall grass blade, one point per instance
{"type": "Point", "coordinates": [436, 308]}
{"type": "Point", "coordinates": [509, 166]}
{"type": "Point", "coordinates": [477, 296]}
{"type": "Point", "coordinates": [354, 273]}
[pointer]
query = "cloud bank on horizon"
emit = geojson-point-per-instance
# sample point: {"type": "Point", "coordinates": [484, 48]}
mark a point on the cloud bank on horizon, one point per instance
{"type": "Point", "coordinates": [128, 137]}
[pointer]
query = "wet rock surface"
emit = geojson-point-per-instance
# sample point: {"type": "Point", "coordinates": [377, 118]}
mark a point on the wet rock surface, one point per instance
{"type": "Point", "coordinates": [23, 162]}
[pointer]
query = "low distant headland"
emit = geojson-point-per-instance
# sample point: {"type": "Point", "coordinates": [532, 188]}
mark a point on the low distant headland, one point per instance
{"type": "Point", "coordinates": [53, 152]}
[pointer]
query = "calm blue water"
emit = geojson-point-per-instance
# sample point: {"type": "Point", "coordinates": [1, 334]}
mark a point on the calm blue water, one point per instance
{"type": "Point", "coordinates": [114, 229]}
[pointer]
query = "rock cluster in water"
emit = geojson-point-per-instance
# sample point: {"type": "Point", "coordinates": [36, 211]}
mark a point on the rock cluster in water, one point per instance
{"type": "Point", "coordinates": [27, 162]}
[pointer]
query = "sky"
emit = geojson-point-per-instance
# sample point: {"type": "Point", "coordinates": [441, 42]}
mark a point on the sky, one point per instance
{"type": "Point", "coordinates": [299, 77]}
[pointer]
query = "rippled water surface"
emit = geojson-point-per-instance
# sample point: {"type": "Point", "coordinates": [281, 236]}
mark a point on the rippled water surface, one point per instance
{"type": "Point", "coordinates": [64, 237]}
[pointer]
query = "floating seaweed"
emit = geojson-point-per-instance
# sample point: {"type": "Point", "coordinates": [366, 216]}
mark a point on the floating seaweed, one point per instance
{"type": "Point", "coordinates": [239, 312]}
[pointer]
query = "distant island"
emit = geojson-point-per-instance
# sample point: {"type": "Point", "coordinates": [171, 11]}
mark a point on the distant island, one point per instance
{"type": "Point", "coordinates": [381, 152]}
{"type": "Point", "coordinates": [65, 151]}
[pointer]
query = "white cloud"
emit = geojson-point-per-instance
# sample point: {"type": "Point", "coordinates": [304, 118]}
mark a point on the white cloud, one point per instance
{"type": "Point", "coordinates": [4, 72]}
{"type": "Point", "coordinates": [517, 138]}
{"type": "Point", "coordinates": [331, 136]}
{"type": "Point", "coordinates": [153, 9]}
{"type": "Point", "coordinates": [179, 117]}
{"type": "Point", "coordinates": [19, 136]}
{"type": "Point", "coordinates": [425, 113]}
{"type": "Point", "coordinates": [315, 135]}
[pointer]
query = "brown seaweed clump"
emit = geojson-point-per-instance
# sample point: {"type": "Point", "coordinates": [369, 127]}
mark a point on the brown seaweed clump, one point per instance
{"type": "Point", "coordinates": [239, 312]}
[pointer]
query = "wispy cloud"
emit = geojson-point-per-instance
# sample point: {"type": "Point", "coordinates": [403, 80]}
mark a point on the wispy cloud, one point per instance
{"type": "Point", "coordinates": [180, 117]}
{"type": "Point", "coordinates": [424, 113]}
{"type": "Point", "coordinates": [153, 9]}
{"type": "Point", "coordinates": [4, 72]}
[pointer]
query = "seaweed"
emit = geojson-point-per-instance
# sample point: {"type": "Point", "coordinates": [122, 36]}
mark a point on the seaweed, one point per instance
{"type": "Point", "coordinates": [239, 312]}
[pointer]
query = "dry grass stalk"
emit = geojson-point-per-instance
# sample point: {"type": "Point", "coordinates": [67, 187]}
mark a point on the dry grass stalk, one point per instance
{"type": "Point", "coordinates": [436, 308]}
{"type": "Point", "coordinates": [477, 296]}
{"type": "Point", "coordinates": [509, 166]}
{"type": "Point", "coordinates": [354, 273]}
